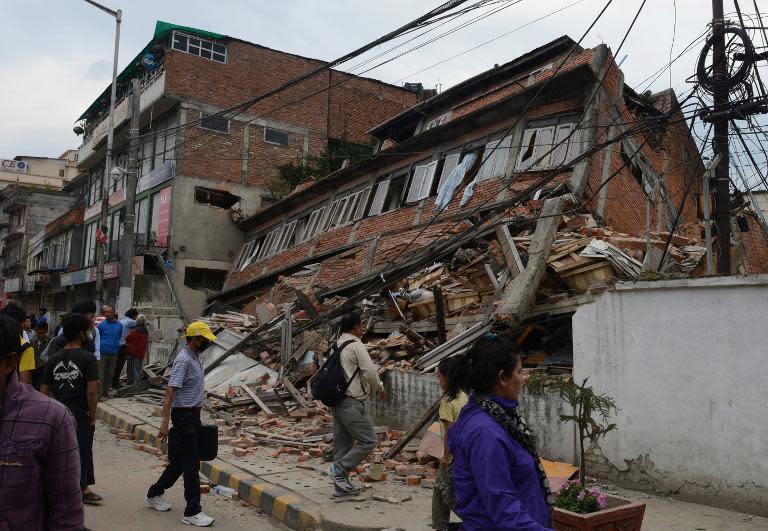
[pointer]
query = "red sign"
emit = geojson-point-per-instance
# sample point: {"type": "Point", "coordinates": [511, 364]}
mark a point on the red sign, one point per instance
{"type": "Point", "coordinates": [164, 217]}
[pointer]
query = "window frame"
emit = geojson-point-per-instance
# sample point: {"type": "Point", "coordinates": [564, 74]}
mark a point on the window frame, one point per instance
{"type": "Point", "coordinates": [573, 149]}
{"type": "Point", "coordinates": [201, 45]}
{"type": "Point", "coordinates": [280, 131]}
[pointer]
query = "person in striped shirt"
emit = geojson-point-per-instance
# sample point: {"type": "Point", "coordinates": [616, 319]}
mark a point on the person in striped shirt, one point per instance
{"type": "Point", "coordinates": [183, 400]}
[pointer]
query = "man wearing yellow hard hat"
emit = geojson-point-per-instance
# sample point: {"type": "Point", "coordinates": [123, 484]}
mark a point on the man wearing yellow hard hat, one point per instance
{"type": "Point", "coordinates": [183, 400]}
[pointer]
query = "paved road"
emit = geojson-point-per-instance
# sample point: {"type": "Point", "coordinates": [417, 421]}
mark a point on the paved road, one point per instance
{"type": "Point", "coordinates": [122, 477]}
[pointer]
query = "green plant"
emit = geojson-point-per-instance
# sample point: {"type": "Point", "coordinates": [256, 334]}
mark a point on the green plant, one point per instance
{"type": "Point", "coordinates": [316, 167]}
{"type": "Point", "coordinates": [590, 410]}
{"type": "Point", "coordinates": [578, 499]}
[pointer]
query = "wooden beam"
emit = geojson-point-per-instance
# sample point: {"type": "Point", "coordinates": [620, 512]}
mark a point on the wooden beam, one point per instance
{"type": "Point", "coordinates": [508, 248]}
{"type": "Point", "coordinates": [425, 419]}
{"type": "Point", "coordinates": [520, 295]}
{"type": "Point", "coordinates": [294, 393]}
{"type": "Point", "coordinates": [255, 397]}
{"type": "Point", "coordinates": [442, 334]}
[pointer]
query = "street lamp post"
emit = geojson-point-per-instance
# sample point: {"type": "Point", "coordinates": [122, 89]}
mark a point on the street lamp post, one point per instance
{"type": "Point", "coordinates": [101, 255]}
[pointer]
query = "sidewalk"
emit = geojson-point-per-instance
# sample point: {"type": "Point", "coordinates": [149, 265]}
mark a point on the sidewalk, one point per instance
{"type": "Point", "coordinates": [295, 494]}
{"type": "Point", "coordinates": [299, 494]}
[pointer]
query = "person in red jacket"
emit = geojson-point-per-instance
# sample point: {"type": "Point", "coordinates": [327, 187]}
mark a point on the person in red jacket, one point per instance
{"type": "Point", "coordinates": [137, 341]}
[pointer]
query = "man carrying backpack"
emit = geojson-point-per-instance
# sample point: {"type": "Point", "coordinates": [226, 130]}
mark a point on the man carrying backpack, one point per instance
{"type": "Point", "coordinates": [354, 436]}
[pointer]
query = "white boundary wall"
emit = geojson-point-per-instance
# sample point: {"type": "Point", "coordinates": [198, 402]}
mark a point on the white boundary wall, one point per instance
{"type": "Point", "coordinates": [687, 363]}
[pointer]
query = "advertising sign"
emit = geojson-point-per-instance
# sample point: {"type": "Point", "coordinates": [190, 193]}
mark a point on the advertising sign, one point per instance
{"type": "Point", "coordinates": [15, 166]}
{"type": "Point", "coordinates": [164, 217]}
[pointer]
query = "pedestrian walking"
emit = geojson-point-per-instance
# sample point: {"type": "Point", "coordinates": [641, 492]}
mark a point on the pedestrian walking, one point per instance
{"type": "Point", "coordinates": [110, 332]}
{"type": "Point", "coordinates": [42, 338]}
{"type": "Point", "coordinates": [26, 365]}
{"type": "Point", "coordinates": [354, 435]}
{"type": "Point", "coordinates": [88, 309]}
{"type": "Point", "coordinates": [72, 378]}
{"type": "Point", "coordinates": [128, 322]}
{"type": "Point", "coordinates": [451, 381]}
{"type": "Point", "coordinates": [183, 400]}
{"type": "Point", "coordinates": [39, 484]}
{"type": "Point", "coordinates": [498, 479]}
{"type": "Point", "coordinates": [137, 342]}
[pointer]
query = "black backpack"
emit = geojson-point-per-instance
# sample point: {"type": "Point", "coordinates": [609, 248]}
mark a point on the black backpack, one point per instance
{"type": "Point", "coordinates": [330, 384]}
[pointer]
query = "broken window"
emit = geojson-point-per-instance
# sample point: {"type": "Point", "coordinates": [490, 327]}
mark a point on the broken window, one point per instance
{"type": "Point", "coordinates": [215, 198]}
{"type": "Point", "coordinates": [215, 123]}
{"type": "Point", "coordinates": [313, 225]}
{"type": "Point", "coordinates": [496, 156]}
{"type": "Point", "coordinates": [638, 169]}
{"type": "Point", "coordinates": [346, 209]}
{"type": "Point", "coordinates": [389, 195]}
{"type": "Point", "coordinates": [437, 121]}
{"type": "Point", "coordinates": [549, 147]}
{"type": "Point", "coordinates": [269, 243]}
{"type": "Point", "coordinates": [286, 239]}
{"type": "Point", "coordinates": [201, 278]}
{"type": "Point", "coordinates": [421, 182]}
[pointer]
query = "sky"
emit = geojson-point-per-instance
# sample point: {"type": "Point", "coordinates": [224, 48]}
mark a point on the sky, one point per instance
{"type": "Point", "coordinates": [58, 54]}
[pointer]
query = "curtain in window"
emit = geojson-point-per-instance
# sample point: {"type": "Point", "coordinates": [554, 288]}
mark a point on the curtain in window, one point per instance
{"type": "Point", "coordinates": [447, 189]}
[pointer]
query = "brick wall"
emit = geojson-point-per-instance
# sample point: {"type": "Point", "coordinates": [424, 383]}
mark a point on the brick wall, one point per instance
{"type": "Point", "coordinates": [356, 104]}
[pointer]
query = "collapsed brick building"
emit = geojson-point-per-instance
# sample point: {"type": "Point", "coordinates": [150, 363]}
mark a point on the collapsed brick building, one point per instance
{"type": "Point", "coordinates": [626, 159]}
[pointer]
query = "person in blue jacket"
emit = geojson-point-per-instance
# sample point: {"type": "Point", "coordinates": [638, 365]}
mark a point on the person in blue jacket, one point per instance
{"type": "Point", "coordinates": [110, 331]}
{"type": "Point", "coordinates": [498, 480]}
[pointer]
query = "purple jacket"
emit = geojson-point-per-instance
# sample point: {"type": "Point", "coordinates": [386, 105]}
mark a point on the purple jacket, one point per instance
{"type": "Point", "coordinates": [39, 463]}
{"type": "Point", "coordinates": [494, 478]}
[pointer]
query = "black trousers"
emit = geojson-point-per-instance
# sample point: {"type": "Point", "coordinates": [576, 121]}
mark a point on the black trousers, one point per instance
{"type": "Point", "coordinates": [85, 446]}
{"type": "Point", "coordinates": [122, 354]}
{"type": "Point", "coordinates": [184, 457]}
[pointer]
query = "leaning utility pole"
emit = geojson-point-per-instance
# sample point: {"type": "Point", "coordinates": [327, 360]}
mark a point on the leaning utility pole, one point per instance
{"type": "Point", "coordinates": [720, 142]}
{"type": "Point", "coordinates": [125, 295]}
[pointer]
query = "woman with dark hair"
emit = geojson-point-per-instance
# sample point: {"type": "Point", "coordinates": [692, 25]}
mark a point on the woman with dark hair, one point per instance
{"type": "Point", "coordinates": [498, 480]}
{"type": "Point", "coordinates": [451, 382]}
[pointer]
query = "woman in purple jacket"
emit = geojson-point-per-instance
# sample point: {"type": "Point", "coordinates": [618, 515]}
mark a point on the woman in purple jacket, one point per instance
{"type": "Point", "coordinates": [498, 480]}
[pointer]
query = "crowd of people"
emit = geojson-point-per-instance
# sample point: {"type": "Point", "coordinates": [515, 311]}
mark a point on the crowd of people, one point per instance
{"type": "Point", "coordinates": [50, 385]}
{"type": "Point", "coordinates": [51, 381]}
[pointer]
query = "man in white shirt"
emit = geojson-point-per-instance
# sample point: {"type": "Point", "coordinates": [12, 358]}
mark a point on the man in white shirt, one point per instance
{"type": "Point", "coordinates": [354, 435]}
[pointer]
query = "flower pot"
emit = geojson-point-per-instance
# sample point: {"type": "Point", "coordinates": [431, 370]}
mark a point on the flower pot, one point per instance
{"type": "Point", "coordinates": [620, 514]}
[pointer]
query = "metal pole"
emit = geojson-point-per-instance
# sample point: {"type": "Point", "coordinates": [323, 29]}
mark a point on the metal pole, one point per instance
{"type": "Point", "coordinates": [101, 255]}
{"type": "Point", "coordinates": [707, 222]}
{"type": "Point", "coordinates": [125, 295]}
{"type": "Point", "coordinates": [720, 143]}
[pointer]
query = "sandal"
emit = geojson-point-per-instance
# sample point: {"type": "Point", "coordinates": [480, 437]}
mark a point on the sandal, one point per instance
{"type": "Point", "coordinates": [92, 498]}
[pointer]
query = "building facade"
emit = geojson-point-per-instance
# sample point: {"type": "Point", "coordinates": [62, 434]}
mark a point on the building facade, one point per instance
{"type": "Point", "coordinates": [559, 115]}
{"type": "Point", "coordinates": [201, 168]}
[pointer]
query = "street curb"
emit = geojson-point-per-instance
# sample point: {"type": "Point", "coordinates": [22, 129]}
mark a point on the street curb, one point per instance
{"type": "Point", "coordinates": [284, 506]}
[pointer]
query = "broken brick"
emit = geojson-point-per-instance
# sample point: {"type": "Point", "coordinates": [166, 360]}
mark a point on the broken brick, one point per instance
{"type": "Point", "coordinates": [428, 483]}
{"type": "Point", "coordinates": [316, 452]}
{"type": "Point", "coordinates": [205, 489]}
{"type": "Point", "coordinates": [413, 481]}
{"type": "Point", "coordinates": [240, 452]}
{"type": "Point", "coordinates": [395, 435]}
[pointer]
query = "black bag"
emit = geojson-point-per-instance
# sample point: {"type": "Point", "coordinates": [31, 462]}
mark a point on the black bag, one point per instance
{"type": "Point", "coordinates": [330, 384]}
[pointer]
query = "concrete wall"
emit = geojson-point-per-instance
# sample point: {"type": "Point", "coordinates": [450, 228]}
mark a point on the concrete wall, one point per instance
{"type": "Point", "coordinates": [208, 236]}
{"type": "Point", "coordinates": [409, 394]}
{"type": "Point", "coordinates": [685, 362]}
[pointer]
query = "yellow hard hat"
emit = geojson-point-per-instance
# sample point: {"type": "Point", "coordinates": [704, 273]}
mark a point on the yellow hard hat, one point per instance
{"type": "Point", "coordinates": [199, 328]}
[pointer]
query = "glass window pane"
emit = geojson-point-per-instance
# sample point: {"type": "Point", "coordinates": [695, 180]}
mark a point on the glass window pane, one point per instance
{"type": "Point", "coordinates": [159, 149]}
{"type": "Point", "coordinates": [378, 200]}
{"type": "Point", "coordinates": [219, 57]}
{"type": "Point", "coordinates": [180, 42]}
{"type": "Point", "coordinates": [194, 50]}
{"type": "Point", "coordinates": [218, 48]}
{"type": "Point", "coordinates": [561, 142]}
{"type": "Point", "coordinates": [205, 53]}
{"type": "Point", "coordinates": [206, 45]}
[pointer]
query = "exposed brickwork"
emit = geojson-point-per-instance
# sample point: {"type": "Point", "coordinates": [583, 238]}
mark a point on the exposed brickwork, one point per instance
{"type": "Point", "coordinates": [674, 157]}
{"type": "Point", "coordinates": [348, 110]}
{"type": "Point", "coordinates": [755, 245]}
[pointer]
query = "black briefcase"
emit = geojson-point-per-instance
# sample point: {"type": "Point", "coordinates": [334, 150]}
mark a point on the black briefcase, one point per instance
{"type": "Point", "coordinates": [207, 441]}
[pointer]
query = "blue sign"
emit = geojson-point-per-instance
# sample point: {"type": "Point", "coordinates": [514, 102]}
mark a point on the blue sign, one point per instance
{"type": "Point", "coordinates": [150, 62]}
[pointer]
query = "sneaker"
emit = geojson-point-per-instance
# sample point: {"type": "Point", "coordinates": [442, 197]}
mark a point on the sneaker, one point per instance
{"type": "Point", "coordinates": [158, 503]}
{"type": "Point", "coordinates": [199, 520]}
{"type": "Point", "coordinates": [342, 485]}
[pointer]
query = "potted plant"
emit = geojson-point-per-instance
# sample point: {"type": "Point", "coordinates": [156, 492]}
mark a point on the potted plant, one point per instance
{"type": "Point", "coordinates": [579, 508]}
